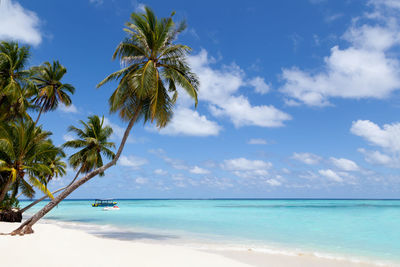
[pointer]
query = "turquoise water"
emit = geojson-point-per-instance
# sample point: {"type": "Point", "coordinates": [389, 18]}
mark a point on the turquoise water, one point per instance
{"type": "Point", "coordinates": [363, 229]}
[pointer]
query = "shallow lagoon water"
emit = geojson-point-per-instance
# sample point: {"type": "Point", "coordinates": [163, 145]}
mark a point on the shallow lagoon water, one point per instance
{"type": "Point", "coordinates": [357, 229]}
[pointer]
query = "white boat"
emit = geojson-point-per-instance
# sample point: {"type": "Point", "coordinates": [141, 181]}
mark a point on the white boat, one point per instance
{"type": "Point", "coordinates": [111, 208]}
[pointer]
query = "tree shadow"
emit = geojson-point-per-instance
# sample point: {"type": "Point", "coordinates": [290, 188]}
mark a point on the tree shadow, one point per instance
{"type": "Point", "coordinates": [129, 236]}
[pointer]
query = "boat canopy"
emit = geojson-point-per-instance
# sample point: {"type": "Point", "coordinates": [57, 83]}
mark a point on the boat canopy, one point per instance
{"type": "Point", "coordinates": [104, 202]}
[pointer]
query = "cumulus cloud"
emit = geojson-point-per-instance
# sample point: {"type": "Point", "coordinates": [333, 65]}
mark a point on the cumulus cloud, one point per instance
{"type": "Point", "coordinates": [132, 162]}
{"type": "Point", "coordinates": [220, 89]}
{"type": "Point", "coordinates": [307, 158]}
{"type": "Point", "coordinates": [364, 69]}
{"type": "Point", "coordinates": [260, 86]}
{"type": "Point", "coordinates": [386, 137]}
{"type": "Point", "coordinates": [189, 122]}
{"type": "Point", "coordinates": [273, 182]}
{"type": "Point", "coordinates": [18, 23]}
{"type": "Point", "coordinates": [345, 164]}
{"type": "Point", "coordinates": [247, 168]}
{"type": "Point", "coordinates": [378, 158]}
{"type": "Point", "coordinates": [67, 109]}
{"type": "Point", "coordinates": [331, 175]}
{"type": "Point", "coordinates": [257, 141]}
{"type": "Point", "coordinates": [198, 170]}
{"type": "Point", "coordinates": [160, 172]}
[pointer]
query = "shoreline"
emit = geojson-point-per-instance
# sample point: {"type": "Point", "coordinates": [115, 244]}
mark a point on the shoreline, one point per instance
{"type": "Point", "coordinates": [237, 255]}
{"type": "Point", "coordinates": [208, 243]}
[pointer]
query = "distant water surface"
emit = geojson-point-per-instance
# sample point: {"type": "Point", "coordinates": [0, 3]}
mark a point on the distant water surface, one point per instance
{"type": "Point", "coordinates": [358, 229]}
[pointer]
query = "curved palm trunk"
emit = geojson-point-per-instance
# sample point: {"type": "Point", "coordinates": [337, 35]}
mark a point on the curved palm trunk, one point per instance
{"type": "Point", "coordinates": [38, 117]}
{"type": "Point", "coordinates": [55, 192]}
{"type": "Point", "coordinates": [26, 227]}
{"type": "Point", "coordinates": [5, 189]}
{"type": "Point", "coordinates": [15, 190]}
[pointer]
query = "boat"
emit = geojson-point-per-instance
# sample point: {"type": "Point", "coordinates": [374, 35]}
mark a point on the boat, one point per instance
{"type": "Point", "coordinates": [104, 203]}
{"type": "Point", "coordinates": [111, 208]}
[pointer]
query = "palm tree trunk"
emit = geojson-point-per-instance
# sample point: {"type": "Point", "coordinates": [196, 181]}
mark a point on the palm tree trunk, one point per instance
{"type": "Point", "coordinates": [55, 192]}
{"type": "Point", "coordinates": [26, 227]}
{"type": "Point", "coordinates": [15, 190]}
{"type": "Point", "coordinates": [40, 113]}
{"type": "Point", "coordinates": [5, 189]}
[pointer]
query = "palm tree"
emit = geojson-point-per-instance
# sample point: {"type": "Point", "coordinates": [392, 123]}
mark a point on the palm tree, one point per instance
{"type": "Point", "coordinates": [51, 90]}
{"type": "Point", "coordinates": [57, 168]}
{"type": "Point", "coordinates": [15, 86]}
{"type": "Point", "coordinates": [24, 150]}
{"type": "Point", "coordinates": [154, 67]}
{"type": "Point", "coordinates": [93, 143]}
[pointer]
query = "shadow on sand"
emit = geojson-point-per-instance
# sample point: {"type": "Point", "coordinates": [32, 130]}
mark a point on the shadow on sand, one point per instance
{"type": "Point", "coordinates": [123, 235]}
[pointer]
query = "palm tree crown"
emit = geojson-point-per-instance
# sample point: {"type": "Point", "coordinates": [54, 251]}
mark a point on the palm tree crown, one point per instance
{"type": "Point", "coordinates": [154, 67]}
{"type": "Point", "coordinates": [25, 151]}
{"type": "Point", "coordinates": [93, 142]}
{"type": "Point", "coordinates": [51, 90]}
{"type": "Point", "coordinates": [15, 87]}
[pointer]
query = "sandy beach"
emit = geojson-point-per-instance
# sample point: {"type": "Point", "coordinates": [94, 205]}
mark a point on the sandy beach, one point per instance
{"type": "Point", "coordinates": [52, 245]}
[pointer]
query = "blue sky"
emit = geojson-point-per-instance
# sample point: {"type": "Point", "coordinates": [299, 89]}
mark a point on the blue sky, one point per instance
{"type": "Point", "coordinates": [297, 98]}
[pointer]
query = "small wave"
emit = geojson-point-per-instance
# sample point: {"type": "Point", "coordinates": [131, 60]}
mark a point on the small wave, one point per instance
{"type": "Point", "coordinates": [311, 206]}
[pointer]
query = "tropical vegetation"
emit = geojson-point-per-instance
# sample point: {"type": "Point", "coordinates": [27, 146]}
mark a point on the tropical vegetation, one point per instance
{"type": "Point", "coordinates": [154, 66]}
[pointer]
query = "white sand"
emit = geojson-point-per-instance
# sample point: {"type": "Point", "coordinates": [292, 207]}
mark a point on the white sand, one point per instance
{"type": "Point", "coordinates": [52, 245]}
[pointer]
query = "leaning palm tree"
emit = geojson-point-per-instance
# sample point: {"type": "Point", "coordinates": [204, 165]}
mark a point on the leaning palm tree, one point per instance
{"type": "Point", "coordinates": [51, 91]}
{"type": "Point", "coordinates": [24, 150]}
{"type": "Point", "coordinates": [15, 86]}
{"type": "Point", "coordinates": [93, 144]}
{"type": "Point", "coordinates": [154, 67]}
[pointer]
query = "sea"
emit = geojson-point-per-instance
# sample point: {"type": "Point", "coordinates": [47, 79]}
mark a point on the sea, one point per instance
{"type": "Point", "coordinates": [356, 230]}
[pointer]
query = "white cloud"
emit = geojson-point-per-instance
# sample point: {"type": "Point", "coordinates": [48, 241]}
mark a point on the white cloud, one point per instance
{"type": "Point", "coordinates": [243, 164]}
{"type": "Point", "coordinates": [307, 158]}
{"type": "Point", "coordinates": [19, 24]}
{"type": "Point", "coordinates": [345, 164]}
{"type": "Point", "coordinates": [132, 162]}
{"type": "Point", "coordinates": [141, 180]}
{"type": "Point", "coordinates": [198, 170]}
{"type": "Point", "coordinates": [257, 141]}
{"type": "Point", "coordinates": [189, 122]}
{"type": "Point", "coordinates": [242, 113]}
{"type": "Point", "coordinates": [386, 137]}
{"type": "Point", "coordinates": [140, 7]}
{"type": "Point", "coordinates": [160, 172]}
{"type": "Point", "coordinates": [331, 175]}
{"type": "Point", "coordinates": [273, 182]}
{"type": "Point", "coordinates": [259, 85]}
{"type": "Point", "coordinates": [220, 88]}
{"type": "Point", "coordinates": [67, 109]}
{"type": "Point", "coordinates": [387, 3]}
{"type": "Point", "coordinates": [365, 69]}
{"type": "Point", "coordinates": [246, 168]}
{"type": "Point", "coordinates": [379, 158]}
